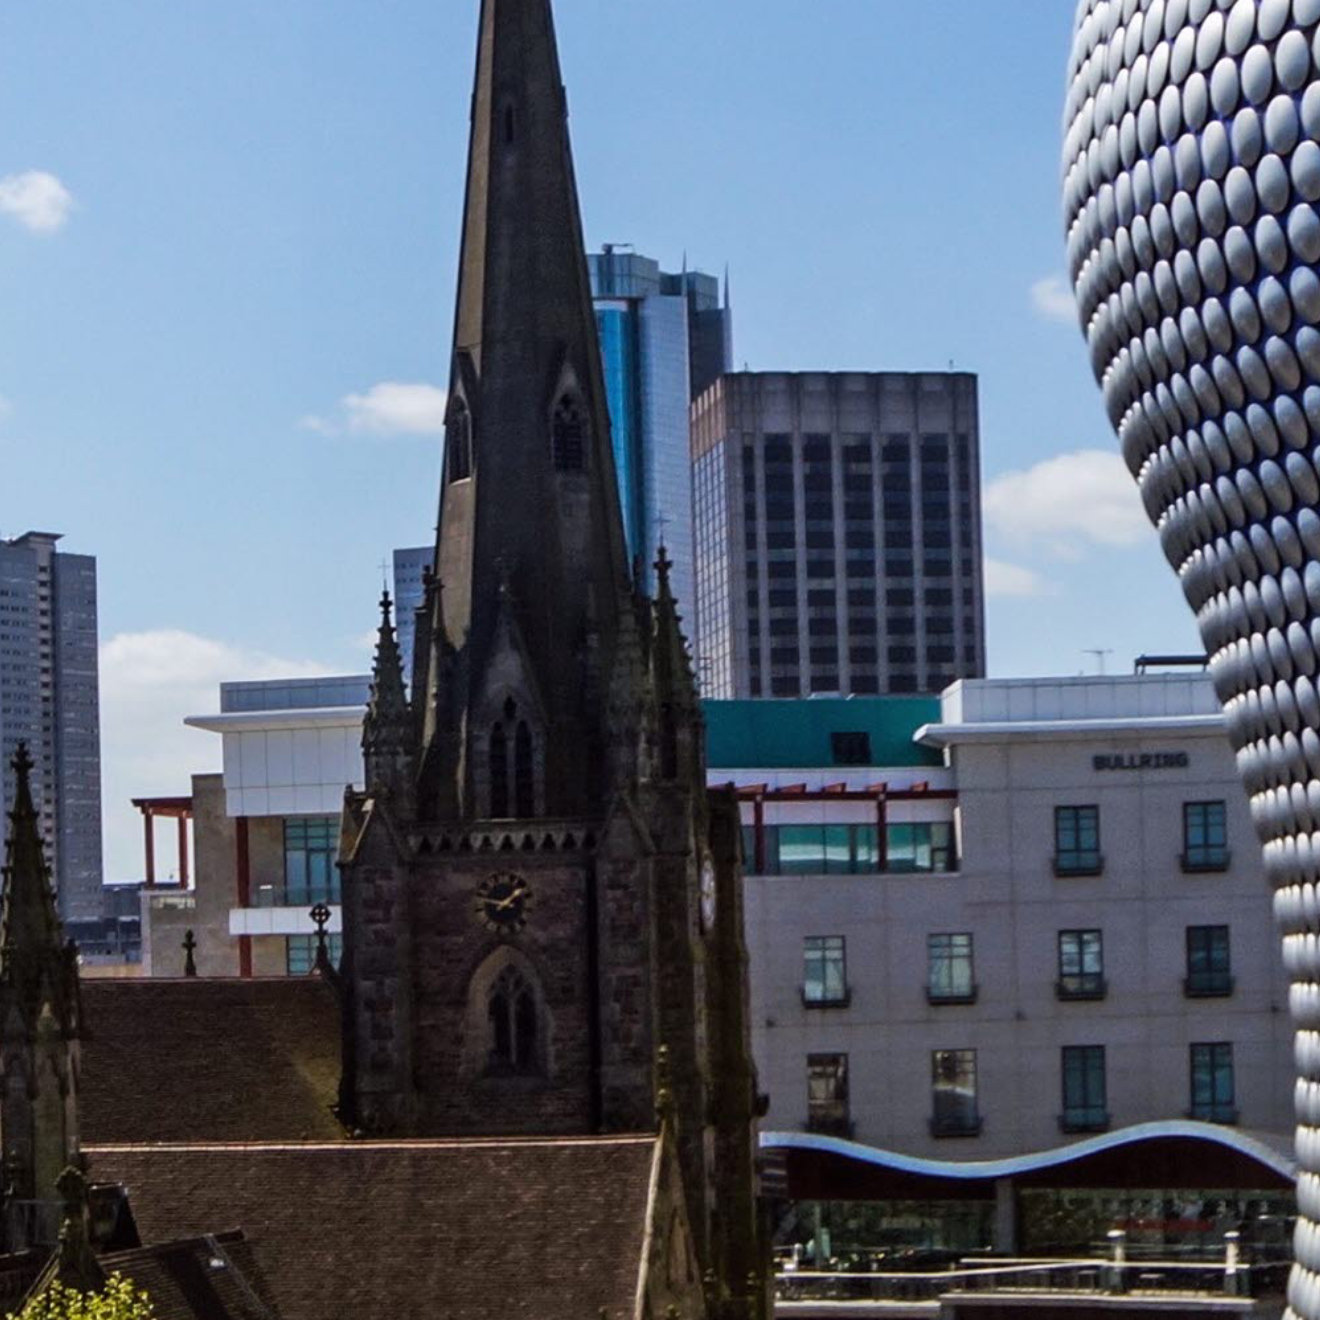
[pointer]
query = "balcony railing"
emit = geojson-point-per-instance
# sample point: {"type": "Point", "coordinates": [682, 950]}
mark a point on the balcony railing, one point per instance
{"type": "Point", "coordinates": [1208, 985]}
{"type": "Point", "coordinates": [948, 994]}
{"type": "Point", "coordinates": [1083, 861]}
{"type": "Point", "coordinates": [1198, 861]}
{"type": "Point", "coordinates": [1083, 985]}
{"type": "Point", "coordinates": [1084, 1118]}
{"type": "Point", "coordinates": [956, 1125]}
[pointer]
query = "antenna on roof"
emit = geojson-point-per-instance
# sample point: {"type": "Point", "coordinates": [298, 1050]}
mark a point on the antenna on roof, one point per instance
{"type": "Point", "coordinates": [1099, 653]}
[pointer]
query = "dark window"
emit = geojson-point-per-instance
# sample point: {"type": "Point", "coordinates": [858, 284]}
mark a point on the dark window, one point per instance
{"type": "Point", "coordinates": [949, 969]}
{"type": "Point", "coordinates": [568, 435]}
{"type": "Point", "coordinates": [827, 1094]}
{"type": "Point", "coordinates": [825, 971]}
{"type": "Point", "coordinates": [865, 684]}
{"type": "Point", "coordinates": [458, 442]}
{"type": "Point", "coordinates": [862, 655]}
{"type": "Point", "coordinates": [1205, 836]}
{"type": "Point", "coordinates": [513, 1026]}
{"type": "Point", "coordinates": [524, 774]}
{"type": "Point", "coordinates": [825, 682]}
{"type": "Point", "coordinates": [953, 1087]}
{"type": "Point", "coordinates": [825, 655]}
{"type": "Point", "coordinates": [499, 773]}
{"type": "Point", "coordinates": [1213, 1099]}
{"type": "Point", "coordinates": [1077, 841]}
{"type": "Point", "coordinates": [1209, 969]}
{"type": "Point", "coordinates": [1085, 1104]}
{"type": "Point", "coordinates": [851, 748]}
{"type": "Point", "coordinates": [311, 849]}
{"type": "Point", "coordinates": [1081, 965]}
{"type": "Point", "coordinates": [820, 598]}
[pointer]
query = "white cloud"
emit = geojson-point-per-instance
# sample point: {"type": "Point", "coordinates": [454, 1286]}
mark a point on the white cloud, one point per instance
{"type": "Point", "coordinates": [387, 409]}
{"type": "Point", "coordinates": [1004, 579]}
{"type": "Point", "coordinates": [1053, 299]}
{"type": "Point", "coordinates": [37, 200]}
{"type": "Point", "coordinates": [150, 681]}
{"type": "Point", "coordinates": [1068, 503]}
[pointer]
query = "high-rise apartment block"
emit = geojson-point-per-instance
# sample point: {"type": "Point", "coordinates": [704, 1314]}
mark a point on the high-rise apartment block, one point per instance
{"type": "Point", "coordinates": [49, 699]}
{"type": "Point", "coordinates": [838, 533]}
{"type": "Point", "coordinates": [663, 338]}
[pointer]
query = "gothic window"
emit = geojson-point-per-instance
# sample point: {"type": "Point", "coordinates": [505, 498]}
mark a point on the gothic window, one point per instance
{"type": "Point", "coordinates": [458, 442]}
{"type": "Point", "coordinates": [524, 776]}
{"type": "Point", "coordinates": [568, 435]}
{"type": "Point", "coordinates": [499, 773]}
{"type": "Point", "coordinates": [513, 1025]}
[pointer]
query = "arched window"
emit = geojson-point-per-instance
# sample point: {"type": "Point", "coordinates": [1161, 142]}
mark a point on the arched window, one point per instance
{"type": "Point", "coordinates": [513, 1025]}
{"type": "Point", "coordinates": [499, 773]}
{"type": "Point", "coordinates": [568, 435]}
{"type": "Point", "coordinates": [458, 442]}
{"type": "Point", "coordinates": [524, 773]}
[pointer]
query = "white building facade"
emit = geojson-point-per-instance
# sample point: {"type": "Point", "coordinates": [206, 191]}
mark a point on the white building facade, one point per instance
{"type": "Point", "coordinates": [1094, 950]}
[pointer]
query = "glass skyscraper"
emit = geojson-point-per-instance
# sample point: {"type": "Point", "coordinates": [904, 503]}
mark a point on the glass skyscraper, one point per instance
{"type": "Point", "coordinates": [664, 338]}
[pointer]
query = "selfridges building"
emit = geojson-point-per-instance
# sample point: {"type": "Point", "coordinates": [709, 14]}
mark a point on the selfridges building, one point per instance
{"type": "Point", "coordinates": [1191, 191]}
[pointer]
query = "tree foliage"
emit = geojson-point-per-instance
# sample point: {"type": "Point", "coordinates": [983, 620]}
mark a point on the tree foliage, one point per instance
{"type": "Point", "coordinates": [118, 1300]}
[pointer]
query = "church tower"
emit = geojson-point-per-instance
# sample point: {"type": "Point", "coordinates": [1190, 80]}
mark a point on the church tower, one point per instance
{"type": "Point", "coordinates": [39, 1019]}
{"type": "Point", "coordinates": [539, 892]}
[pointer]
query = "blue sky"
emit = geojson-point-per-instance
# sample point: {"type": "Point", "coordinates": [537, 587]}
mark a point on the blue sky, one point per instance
{"type": "Point", "coordinates": [224, 227]}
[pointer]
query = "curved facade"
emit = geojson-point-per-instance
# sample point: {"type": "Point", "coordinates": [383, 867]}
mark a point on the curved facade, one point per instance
{"type": "Point", "coordinates": [1192, 197]}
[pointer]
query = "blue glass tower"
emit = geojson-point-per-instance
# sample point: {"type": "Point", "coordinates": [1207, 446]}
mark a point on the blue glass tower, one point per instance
{"type": "Point", "coordinates": [664, 338]}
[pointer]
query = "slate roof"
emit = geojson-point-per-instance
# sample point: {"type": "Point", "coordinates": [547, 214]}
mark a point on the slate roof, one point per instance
{"type": "Point", "coordinates": [210, 1060]}
{"type": "Point", "coordinates": [457, 1230]}
{"type": "Point", "coordinates": [203, 1278]}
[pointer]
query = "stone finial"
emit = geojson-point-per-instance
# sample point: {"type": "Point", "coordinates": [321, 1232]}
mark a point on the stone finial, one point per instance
{"type": "Point", "coordinates": [189, 949]}
{"type": "Point", "coordinates": [321, 915]}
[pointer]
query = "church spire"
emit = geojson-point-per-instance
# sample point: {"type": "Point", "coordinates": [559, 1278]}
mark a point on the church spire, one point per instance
{"type": "Point", "coordinates": [39, 1011]}
{"type": "Point", "coordinates": [387, 732]}
{"type": "Point", "coordinates": [31, 942]}
{"type": "Point", "coordinates": [529, 496]}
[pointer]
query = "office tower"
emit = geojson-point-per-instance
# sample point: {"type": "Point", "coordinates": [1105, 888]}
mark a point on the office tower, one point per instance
{"type": "Point", "coordinates": [838, 533]}
{"type": "Point", "coordinates": [49, 699]}
{"type": "Point", "coordinates": [663, 339]}
{"type": "Point", "coordinates": [410, 568]}
{"type": "Point", "coordinates": [1193, 242]}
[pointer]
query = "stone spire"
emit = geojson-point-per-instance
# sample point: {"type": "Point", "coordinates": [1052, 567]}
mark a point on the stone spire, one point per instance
{"type": "Point", "coordinates": [681, 731]}
{"type": "Point", "coordinates": [387, 731]}
{"type": "Point", "coordinates": [39, 1011]}
{"type": "Point", "coordinates": [529, 495]}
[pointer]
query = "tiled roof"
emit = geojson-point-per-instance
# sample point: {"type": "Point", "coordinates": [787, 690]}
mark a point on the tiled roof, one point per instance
{"type": "Point", "coordinates": [457, 1230]}
{"type": "Point", "coordinates": [210, 1060]}
{"type": "Point", "coordinates": [203, 1278]}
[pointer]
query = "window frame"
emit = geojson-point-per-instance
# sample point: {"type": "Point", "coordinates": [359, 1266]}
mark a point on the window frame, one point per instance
{"type": "Point", "coordinates": [1090, 1111]}
{"type": "Point", "coordinates": [1209, 853]}
{"type": "Point", "coordinates": [1209, 962]}
{"type": "Point", "coordinates": [1077, 858]}
{"type": "Point", "coordinates": [829, 1114]}
{"type": "Point", "coordinates": [1212, 1061]}
{"type": "Point", "coordinates": [948, 960]}
{"type": "Point", "coordinates": [1082, 982]}
{"type": "Point", "coordinates": [834, 991]}
{"type": "Point", "coordinates": [963, 1119]}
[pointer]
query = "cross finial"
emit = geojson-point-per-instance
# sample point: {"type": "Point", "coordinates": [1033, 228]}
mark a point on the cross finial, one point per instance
{"type": "Point", "coordinates": [321, 914]}
{"type": "Point", "coordinates": [189, 949]}
{"type": "Point", "coordinates": [22, 761]}
{"type": "Point", "coordinates": [384, 573]}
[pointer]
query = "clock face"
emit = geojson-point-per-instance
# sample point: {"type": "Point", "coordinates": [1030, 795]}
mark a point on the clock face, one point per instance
{"type": "Point", "coordinates": [708, 894]}
{"type": "Point", "coordinates": [503, 902]}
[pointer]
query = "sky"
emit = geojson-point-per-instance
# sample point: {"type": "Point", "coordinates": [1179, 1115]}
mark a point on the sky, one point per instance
{"type": "Point", "coordinates": [228, 250]}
